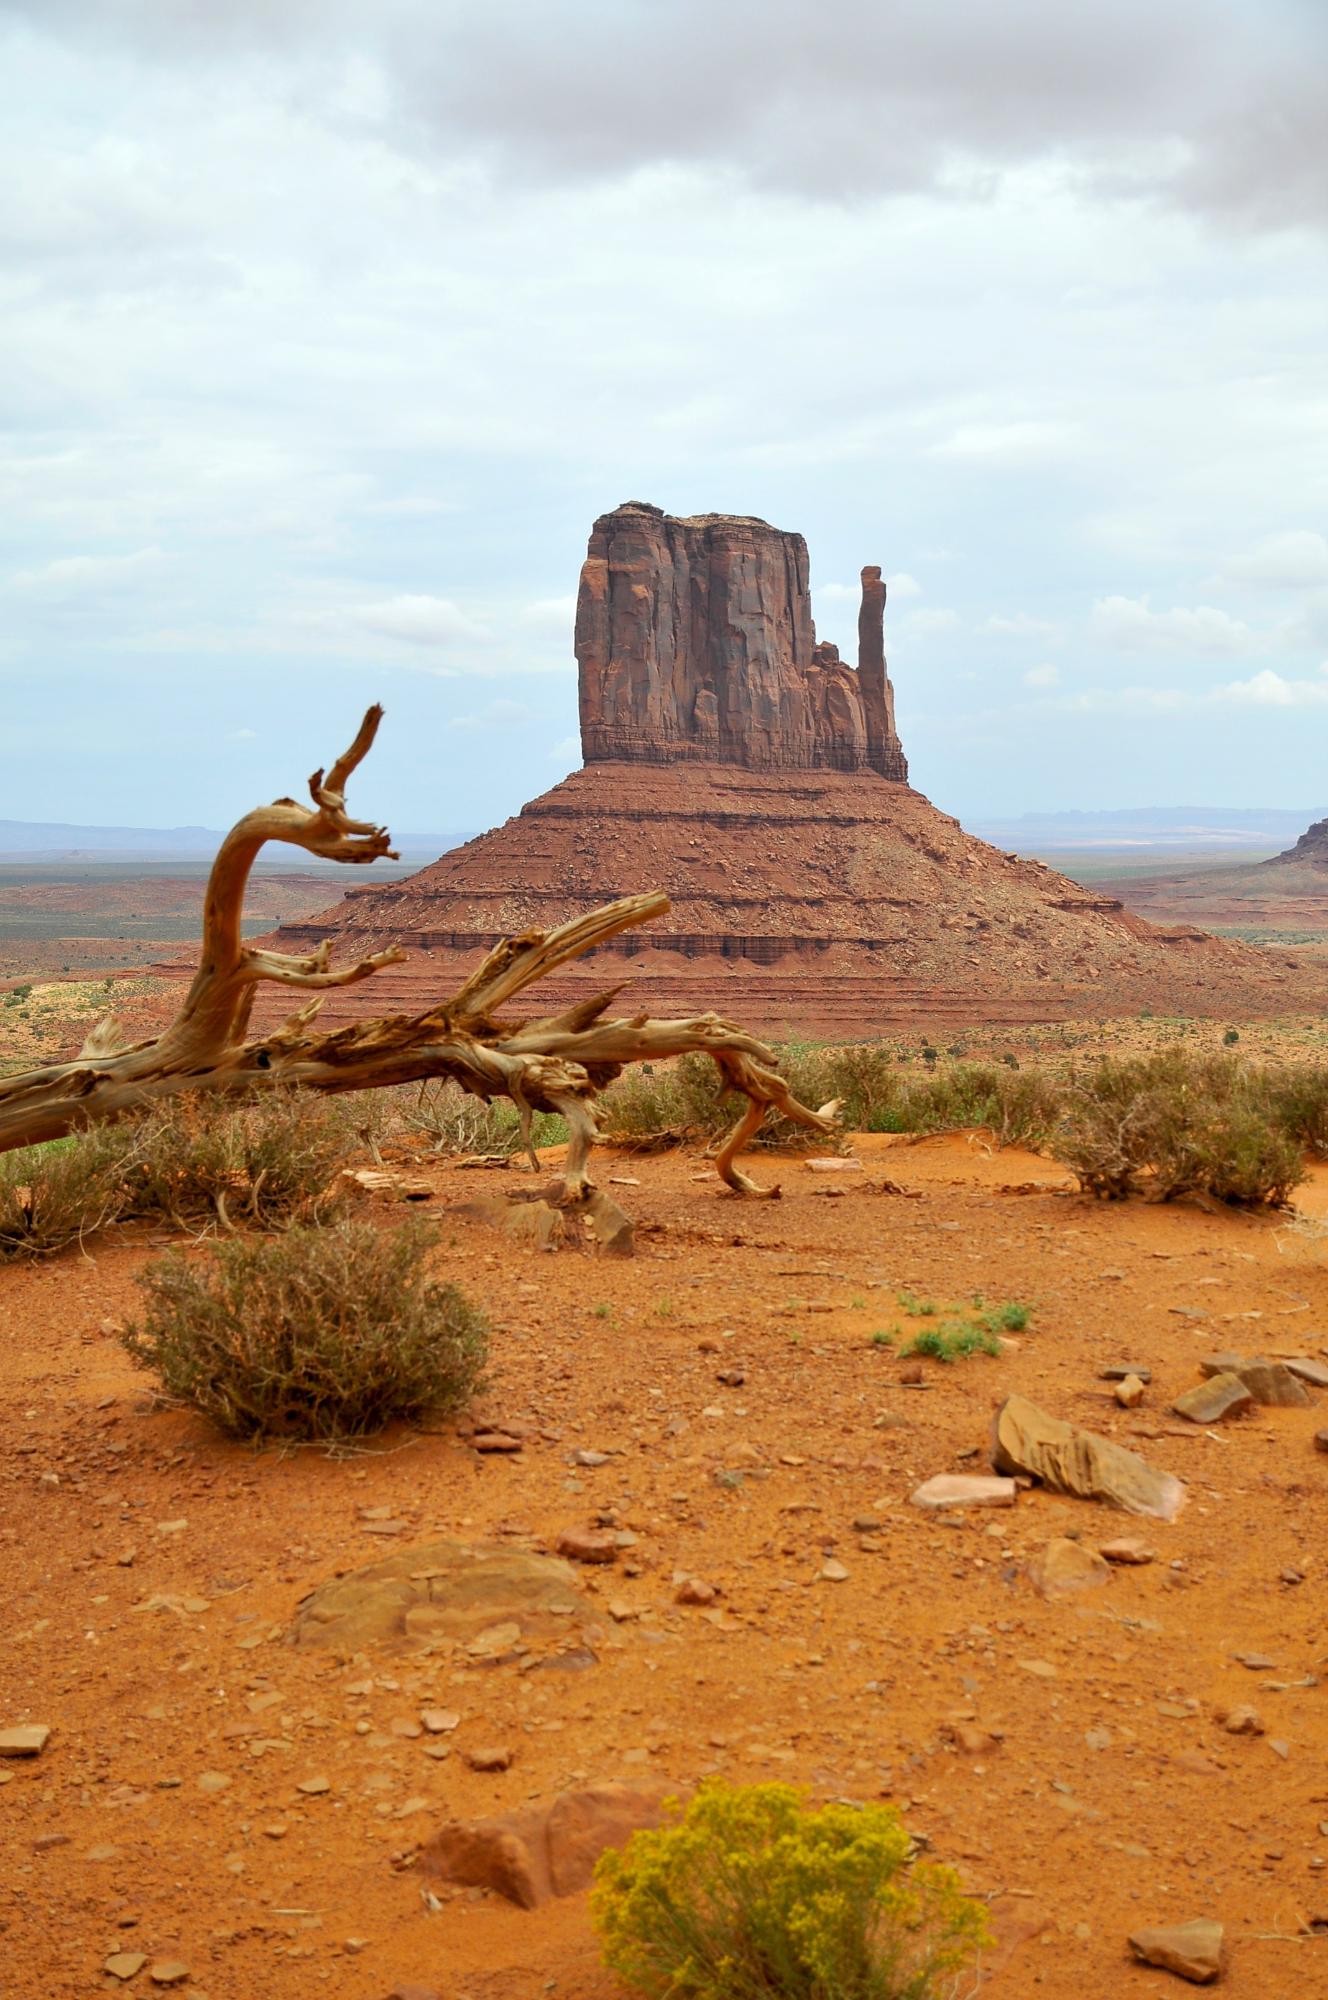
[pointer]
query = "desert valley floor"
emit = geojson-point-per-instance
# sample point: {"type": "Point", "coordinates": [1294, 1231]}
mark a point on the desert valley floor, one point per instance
{"type": "Point", "coordinates": [244, 1812]}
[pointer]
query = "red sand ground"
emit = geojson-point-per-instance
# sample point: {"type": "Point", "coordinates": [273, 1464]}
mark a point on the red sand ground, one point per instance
{"type": "Point", "coordinates": [1113, 1799]}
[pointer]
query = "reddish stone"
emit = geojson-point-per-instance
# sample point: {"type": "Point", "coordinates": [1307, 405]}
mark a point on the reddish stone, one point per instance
{"type": "Point", "coordinates": [543, 1850]}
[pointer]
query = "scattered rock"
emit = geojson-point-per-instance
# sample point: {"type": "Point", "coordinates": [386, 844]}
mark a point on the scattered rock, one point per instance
{"type": "Point", "coordinates": [168, 1972]}
{"type": "Point", "coordinates": [25, 1739]}
{"type": "Point", "coordinates": [964, 1489]}
{"type": "Point", "coordinates": [1306, 1369]}
{"type": "Point", "coordinates": [588, 1545]}
{"type": "Point", "coordinates": [695, 1590]}
{"type": "Point", "coordinates": [849, 1164]}
{"type": "Point", "coordinates": [1065, 1569]}
{"type": "Point", "coordinates": [1321, 1440]}
{"type": "Point", "coordinates": [124, 1964]}
{"type": "Point", "coordinates": [489, 1757]}
{"type": "Point", "coordinates": [495, 1441]}
{"type": "Point", "coordinates": [1193, 1950]}
{"type": "Point", "coordinates": [1222, 1395]}
{"type": "Point", "coordinates": [314, 1788]}
{"type": "Point", "coordinates": [440, 1721]}
{"type": "Point", "coordinates": [1129, 1392]}
{"type": "Point", "coordinates": [833, 1571]}
{"type": "Point", "coordinates": [1270, 1383]}
{"type": "Point", "coordinates": [440, 1590]}
{"type": "Point", "coordinates": [1123, 1371]}
{"type": "Point", "coordinates": [1242, 1721]}
{"type": "Point", "coordinates": [1025, 1439]}
{"type": "Point", "coordinates": [408, 1989]}
{"type": "Point", "coordinates": [544, 1850]}
{"type": "Point", "coordinates": [1126, 1549]}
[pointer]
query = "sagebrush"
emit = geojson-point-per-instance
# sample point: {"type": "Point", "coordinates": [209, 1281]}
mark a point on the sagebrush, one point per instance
{"type": "Point", "coordinates": [269, 1160]}
{"type": "Point", "coordinates": [318, 1333]}
{"type": "Point", "coordinates": [752, 1893]}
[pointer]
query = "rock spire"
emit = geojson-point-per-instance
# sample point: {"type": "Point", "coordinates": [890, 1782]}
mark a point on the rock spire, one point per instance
{"type": "Point", "coordinates": [695, 643]}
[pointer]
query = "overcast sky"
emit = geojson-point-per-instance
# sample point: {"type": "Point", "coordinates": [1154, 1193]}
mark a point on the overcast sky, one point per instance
{"type": "Point", "coordinates": [328, 326]}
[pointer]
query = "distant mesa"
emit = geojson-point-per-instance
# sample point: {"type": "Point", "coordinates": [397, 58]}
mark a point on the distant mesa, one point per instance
{"type": "Point", "coordinates": [743, 767]}
{"type": "Point", "coordinates": [695, 642]}
{"type": "Point", "coordinates": [1312, 847]}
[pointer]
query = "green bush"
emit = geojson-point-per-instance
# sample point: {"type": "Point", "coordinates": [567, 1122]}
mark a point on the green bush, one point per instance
{"type": "Point", "coordinates": [752, 1894]}
{"type": "Point", "coordinates": [954, 1340]}
{"type": "Point", "coordinates": [315, 1334]}
{"type": "Point", "coordinates": [1173, 1124]}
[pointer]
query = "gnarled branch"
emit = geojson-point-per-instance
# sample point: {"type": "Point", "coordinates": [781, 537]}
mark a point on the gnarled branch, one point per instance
{"type": "Point", "coordinates": [556, 1064]}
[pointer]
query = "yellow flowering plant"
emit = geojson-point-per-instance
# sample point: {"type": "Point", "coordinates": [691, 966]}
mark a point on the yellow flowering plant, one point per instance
{"type": "Point", "coordinates": [752, 1893]}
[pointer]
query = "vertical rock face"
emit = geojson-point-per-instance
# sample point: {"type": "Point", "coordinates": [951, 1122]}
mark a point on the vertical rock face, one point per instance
{"type": "Point", "coordinates": [695, 641]}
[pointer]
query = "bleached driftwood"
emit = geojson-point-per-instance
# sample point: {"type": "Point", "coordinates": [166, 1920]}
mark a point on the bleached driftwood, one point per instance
{"type": "Point", "coordinates": [554, 1064]}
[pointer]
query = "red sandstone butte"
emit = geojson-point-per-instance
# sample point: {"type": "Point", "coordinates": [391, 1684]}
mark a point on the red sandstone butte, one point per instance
{"type": "Point", "coordinates": [733, 761]}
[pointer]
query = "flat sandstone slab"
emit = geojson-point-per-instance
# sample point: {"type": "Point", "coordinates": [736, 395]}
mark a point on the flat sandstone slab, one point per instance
{"type": "Point", "coordinates": [964, 1489]}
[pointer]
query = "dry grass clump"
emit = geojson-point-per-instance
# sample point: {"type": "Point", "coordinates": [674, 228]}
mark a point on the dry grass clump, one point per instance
{"type": "Point", "coordinates": [271, 1160]}
{"type": "Point", "coordinates": [455, 1122]}
{"type": "Point", "coordinates": [1174, 1124]}
{"type": "Point", "coordinates": [314, 1334]}
{"type": "Point", "coordinates": [52, 1196]}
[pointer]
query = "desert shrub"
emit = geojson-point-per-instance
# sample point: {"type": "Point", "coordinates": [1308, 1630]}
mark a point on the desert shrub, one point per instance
{"type": "Point", "coordinates": [689, 1097]}
{"type": "Point", "coordinates": [271, 1159]}
{"type": "Point", "coordinates": [55, 1195]}
{"type": "Point", "coordinates": [752, 1894]}
{"type": "Point", "coordinates": [1172, 1124]}
{"type": "Point", "coordinates": [1016, 1107]}
{"type": "Point", "coordinates": [1299, 1100]}
{"type": "Point", "coordinates": [316, 1334]}
{"type": "Point", "coordinates": [455, 1122]}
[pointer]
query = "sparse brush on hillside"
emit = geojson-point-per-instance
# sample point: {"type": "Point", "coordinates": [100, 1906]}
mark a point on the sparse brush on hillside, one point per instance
{"type": "Point", "coordinates": [1174, 1124]}
{"type": "Point", "coordinates": [52, 1196]}
{"type": "Point", "coordinates": [315, 1334]}
{"type": "Point", "coordinates": [753, 1894]}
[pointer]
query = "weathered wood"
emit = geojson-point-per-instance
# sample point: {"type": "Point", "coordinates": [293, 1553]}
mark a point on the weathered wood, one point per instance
{"type": "Point", "coordinates": [555, 1064]}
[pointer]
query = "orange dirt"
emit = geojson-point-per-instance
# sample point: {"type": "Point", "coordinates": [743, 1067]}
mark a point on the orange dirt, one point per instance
{"type": "Point", "coordinates": [1112, 1799]}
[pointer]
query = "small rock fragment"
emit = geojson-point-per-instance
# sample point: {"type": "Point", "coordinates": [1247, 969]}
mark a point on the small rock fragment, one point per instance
{"type": "Point", "coordinates": [25, 1739]}
{"type": "Point", "coordinates": [124, 1964]}
{"type": "Point", "coordinates": [1123, 1370]}
{"type": "Point", "coordinates": [1127, 1549]}
{"type": "Point", "coordinates": [1129, 1392]}
{"type": "Point", "coordinates": [1242, 1721]}
{"type": "Point", "coordinates": [438, 1721]}
{"type": "Point", "coordinates": [1220, 1396]}
{"type": "Point", "coordinates": [1193, 1950]}
{"type": "Point", "coordinates": [1306, 1369]}
{"type": "Point", "coordinates": [491, 1757]}
{"type": "Point", "coordinates": [168, 1972]}
{"type": "Point", "coordinates": [833, 1571]}
{"type": "Point", "coordinates": [695, 1590]}
{"type": "Point", "coordinates": [964, 1489]}
{"type": "Point", "coordinates": [1065, 1568]}
{"type": "Point", "coordinates": [314, 1788]}
{"type": "Point", "coordinates": [587, 1545]}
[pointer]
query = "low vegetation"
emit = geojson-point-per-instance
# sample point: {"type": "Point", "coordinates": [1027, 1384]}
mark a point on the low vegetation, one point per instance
{"type": "Point", "coordinates": [974, 1329]}
{"type": "Point", "coordinates": [315, 1334]}
{"type": "Point", "coordinates": [753, 1894]}
{"type": "Point", "coordinates": [272, 1161]}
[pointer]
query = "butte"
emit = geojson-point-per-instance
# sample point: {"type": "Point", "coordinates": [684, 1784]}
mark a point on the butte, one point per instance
{"type": "Point", "coordinates": [759, 779]}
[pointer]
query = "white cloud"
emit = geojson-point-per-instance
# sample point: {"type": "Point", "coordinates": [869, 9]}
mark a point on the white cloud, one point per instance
{"type": "Point", "coordinates": [499, 714]}
{"type": "Point", "coordinates": [924, 624]}
{"type": "Point", "coordinates": [418, 620]}
{"type": "Point", "coordinates": [243, 736]}
{"type": "Point", "coordinates": [1297, 560]}
{"type": "Point", "coordinates": [566, 752]}
{"type": "Point", "coordinates": [1130, 625]}
{"type": "Point", "coordinates": [1270, 690]}
{"type": "Point", "coordinates": [69, 577]}
{"type": "Point", "coordinates": [552, 617]}
{"type": "Point", "coordinates": [1014, 445]}
{"type": "Point", "coordinates": [1018, 625]}
{"type": "Point", "coordinates": [1045, 676]}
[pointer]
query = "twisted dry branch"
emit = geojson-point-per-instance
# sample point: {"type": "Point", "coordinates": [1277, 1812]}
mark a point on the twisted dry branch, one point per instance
{"type": "Point", "coordinates": [554, 1064]}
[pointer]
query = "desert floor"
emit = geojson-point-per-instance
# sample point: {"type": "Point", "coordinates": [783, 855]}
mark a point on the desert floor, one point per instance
{"type": "Point", "coordinates": [150, 1574]}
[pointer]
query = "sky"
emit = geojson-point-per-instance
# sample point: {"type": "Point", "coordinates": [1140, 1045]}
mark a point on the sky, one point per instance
{"type": "Point", "coordinates": [327, 327]}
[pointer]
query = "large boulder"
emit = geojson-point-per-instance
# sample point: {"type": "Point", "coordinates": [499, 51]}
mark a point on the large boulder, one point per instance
{"type": "Point", "coordinates": [442, 1590]}
{"type": "Point", "coordinates": [1025, 1439]}
{"type": "Point", "coordinates": [545, 1850]}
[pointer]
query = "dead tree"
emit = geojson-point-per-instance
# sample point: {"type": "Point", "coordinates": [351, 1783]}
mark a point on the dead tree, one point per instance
{"type": "Point", "coordinates": [557, 1063]}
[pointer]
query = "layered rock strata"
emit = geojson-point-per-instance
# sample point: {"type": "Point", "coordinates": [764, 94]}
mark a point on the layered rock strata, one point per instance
{"type": "Point", "coordinates": [695, 643]}
{"type": "Point", "coordinates": [747, 770]}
